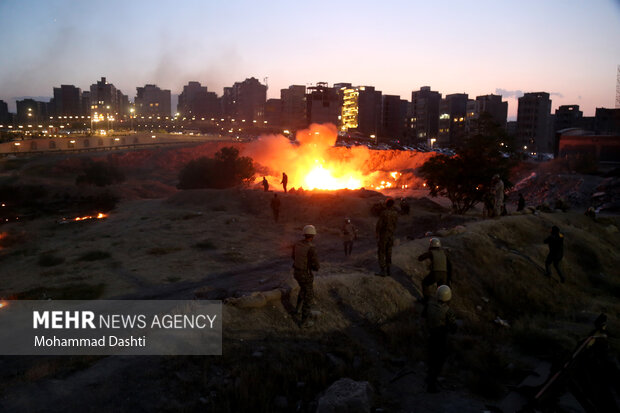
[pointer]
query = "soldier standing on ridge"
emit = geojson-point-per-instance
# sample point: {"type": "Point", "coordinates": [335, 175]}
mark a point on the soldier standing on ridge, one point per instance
{"type": "Point", "coordinates": [497, 187]}
{"type": "Point", "coordinates": [521, 203]}
{"type": "Point", "coordinates": [305, 260]}
{"type": "Point", "coordinates": [404, 206]}
{"type": "Point", "coordinates": [440, 322]}
{"type": "Point", "coordinates": [265, 184]}
{"type": "Point", "coordinates": [350, 234]}
{"type": "Point", "coordinates": [440, 271]}
{"type": "Point", "coordinates": [384, 232]}
{"type": "Point", "coordinates": [556, 251]}
{"type": "Point", "coordinates": [284, 181]}
{"type": "Point", "coordinates": [275, 207]}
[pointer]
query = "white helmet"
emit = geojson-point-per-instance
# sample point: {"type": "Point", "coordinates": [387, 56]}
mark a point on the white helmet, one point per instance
{"type": "Point", "coordinates": [309, 230]}
{"type": "Point", "coordinates": [444, 293]}
{"type": "Point", "coordinates": [435, 243]}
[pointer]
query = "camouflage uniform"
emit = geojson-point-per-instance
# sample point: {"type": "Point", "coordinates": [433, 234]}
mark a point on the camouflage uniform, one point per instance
{"type": "Point", "coordinates": [440, 322]}
{"type": "Point", "coordinates": [498, 197]}
{"type": "Point", "coordinates": [348, 231]}
{"type": "Point", "coordinates": [440, 273]}
{"type": "Point", "coordinates": [305, 260]}
{"type": "Point", "coordinates": [386, 225]}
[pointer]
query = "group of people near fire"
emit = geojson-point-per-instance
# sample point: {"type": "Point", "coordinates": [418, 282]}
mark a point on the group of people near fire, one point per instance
{"type": "Point", "coordinates": [435, 286]}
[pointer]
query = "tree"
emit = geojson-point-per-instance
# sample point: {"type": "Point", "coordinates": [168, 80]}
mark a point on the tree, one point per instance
{"type": "Point", "coordinates": [225, 170]}
{"type": "Point", "coordinates": [464, 177]}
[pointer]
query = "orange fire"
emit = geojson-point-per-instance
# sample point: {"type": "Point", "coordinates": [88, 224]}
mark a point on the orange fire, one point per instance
{"type": "Point", "coordinates": [313, 162]}
{"type": "Point", "coordinates": [100, 215]}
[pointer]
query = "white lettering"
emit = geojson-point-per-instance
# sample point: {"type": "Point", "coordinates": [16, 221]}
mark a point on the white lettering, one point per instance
{"type": "Point", "coordinates": [38, 319]}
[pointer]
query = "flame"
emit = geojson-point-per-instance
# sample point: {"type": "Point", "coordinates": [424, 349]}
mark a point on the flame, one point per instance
{"type": "Point", "coordinates": [3, 304]}
{"type": "Point", "coordinates": [313, 162]}
{"type": "Point", "coordinates": [100, 215]}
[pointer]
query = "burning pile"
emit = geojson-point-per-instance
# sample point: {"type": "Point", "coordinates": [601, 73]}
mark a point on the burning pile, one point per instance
{"type": "Point", "coordinates": [314, 163]}
{"type": "Point", "coordinates": [100, 215]}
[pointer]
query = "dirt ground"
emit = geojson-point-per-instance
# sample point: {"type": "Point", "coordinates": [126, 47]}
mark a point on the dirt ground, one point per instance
{"type": "Point", "coordinates": [225, 245]}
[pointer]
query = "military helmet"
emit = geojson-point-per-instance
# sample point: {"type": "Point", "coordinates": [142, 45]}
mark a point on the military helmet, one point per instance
{"type": "Point", "coordinates": [435, 243]}
{"type": "Point", "coordinates": [309, 230]}
{"type": "Point", "coordinates": [444, 293]}
{"type": "Point", "coordinates": [347, 220]}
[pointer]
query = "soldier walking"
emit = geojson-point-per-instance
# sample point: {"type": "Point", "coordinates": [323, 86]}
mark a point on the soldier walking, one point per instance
{"type": "Point", "coordinates": [350, 234]}
{"type": "Point", "coordinates": [284, 181]}
{"type": "Point", "coordinates": [556, 252]}
{"type": "Point", "coordinates": [305, 260]}
{"type": "Point", "coordinates": [441, 321]}
{"type": "Point", "coordinates": [384, 232]}
{"type": "Point", "coordinates": [265, 184]}
{"type": "Point", "coordinates": [440, 271]}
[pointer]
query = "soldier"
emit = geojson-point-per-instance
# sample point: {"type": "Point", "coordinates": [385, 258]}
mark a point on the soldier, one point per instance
{"type": "Point", "coordinates": [521, 203]}
{"type": "Point", "coordinates": [497, 188]}
{"type": "Point", "coordinates": [556, 251]}
{"type": "Point", "coordinates": [275, 207]}
{"type": "Point", "coordinates": [284, 181]}
{"type": "Point", "coordinates": [440, 271]}
{"type": "Point", "coordinates": [440, 322]}
{"type": "Point", "coordinates": [305, 260]}
{"type": "Point", "coordinates": [349, 233]}
{"type": "Point", "coordinates": [265, 184]}
{"type": "Point", "coordinates": [404, 206]}
{"type": "Point", "coordinates": [384, 232]}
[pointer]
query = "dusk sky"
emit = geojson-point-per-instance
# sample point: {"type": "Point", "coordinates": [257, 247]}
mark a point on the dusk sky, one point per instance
{"type": "Point", "coordinates": [569, 48]}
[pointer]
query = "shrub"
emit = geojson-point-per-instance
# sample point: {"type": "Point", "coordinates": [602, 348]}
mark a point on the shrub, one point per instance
{"type": "Point", "coordinates": [100, 174]}
{"type": "Point", "coordinates": [225, 170]}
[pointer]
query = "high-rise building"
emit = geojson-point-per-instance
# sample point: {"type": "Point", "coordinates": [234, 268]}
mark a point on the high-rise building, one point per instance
{"type": "Point", "coordinates": [607, 121]}
{"type": "Point", "coordinates": [4, 113]}
{"type": "Point", "coordinates": [361, 110]}
{"type": "Point", "coordinates": [424, 116]}
{"type": "Point", "coordinates": [568, 116]}
{"type": "Point", "coordinates": [107, 103]}
{"type": "Point", "coordinates": [294, 107]}
{"type": "Point", "coordinates": [30, 111]}
{"type": "Point", "coordinates": [245, 100]}
{"type": "Point", "coordinates": [323, 104]}
{"type": "Point", "coordinates": [493, 105]}
{"type": "Point", "coordinates": [533, 123]}
{"type": "Point", "coordinates": [452, 119]}
{"type": "Point", "coordinates": [393, 114]}
{"type": "Point", "coordinates": [273, 112]}
{"type": "Point", "coordinates": [68, 101]}
{"type": "Point", "coordinates": [152, 101]}
{"type": "Point", "coordinates": [197, 101]}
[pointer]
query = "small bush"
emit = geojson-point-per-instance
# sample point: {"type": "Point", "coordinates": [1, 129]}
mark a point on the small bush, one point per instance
{"type": "Point", "coordinates": [50, 260]}
{"type": "Point", "coordinates": [100, 174]}
{"type": "Point", "coordinates": [225, 170]}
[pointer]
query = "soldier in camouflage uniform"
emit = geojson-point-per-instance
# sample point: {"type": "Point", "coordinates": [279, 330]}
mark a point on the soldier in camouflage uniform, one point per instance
{"type": "Point", "coordinates": [440, 322]}
{"type": "Point", "coordinates": [349, 233]}
{"type": "Point", "coordinates": [384, 232]}
{"type": "Point", "coordinates": [440, 271]}
{"type": "Point", "coordinates": [305, 260]}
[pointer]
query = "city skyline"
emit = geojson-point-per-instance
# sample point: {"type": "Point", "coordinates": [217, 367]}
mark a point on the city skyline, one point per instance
{"type": "Point", "coordinates": [568, 49]}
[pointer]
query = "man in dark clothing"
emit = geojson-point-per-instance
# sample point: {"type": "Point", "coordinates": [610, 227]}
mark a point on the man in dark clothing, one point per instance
{"type": "Point", "coordinates": [265, 184]}
{"type": "Point", "coordinates": [440, 271]}
{"type": "Point", "coordinates": [404, 206]}
{"type": "Point", "coordinates": [275, 207]}
{"type": "Point", "coordinates": [349, 233]}
{"type": "Point", "coordinates": [521, 202]}
{"type": "Point", "coordinates": [556, 252]}
{"type": "Point", "coordinates": [441, 321]}
{"type": "Point", "coordinates": [305, 260]}
{"type": "Point", "coordinates": [384, 232]}
{"type": "Point", "coordinates": [284, 181]}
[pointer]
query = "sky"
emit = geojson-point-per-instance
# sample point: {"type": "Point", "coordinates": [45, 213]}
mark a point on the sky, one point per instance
{"type": "Point", "coordinates": [568, 48]}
